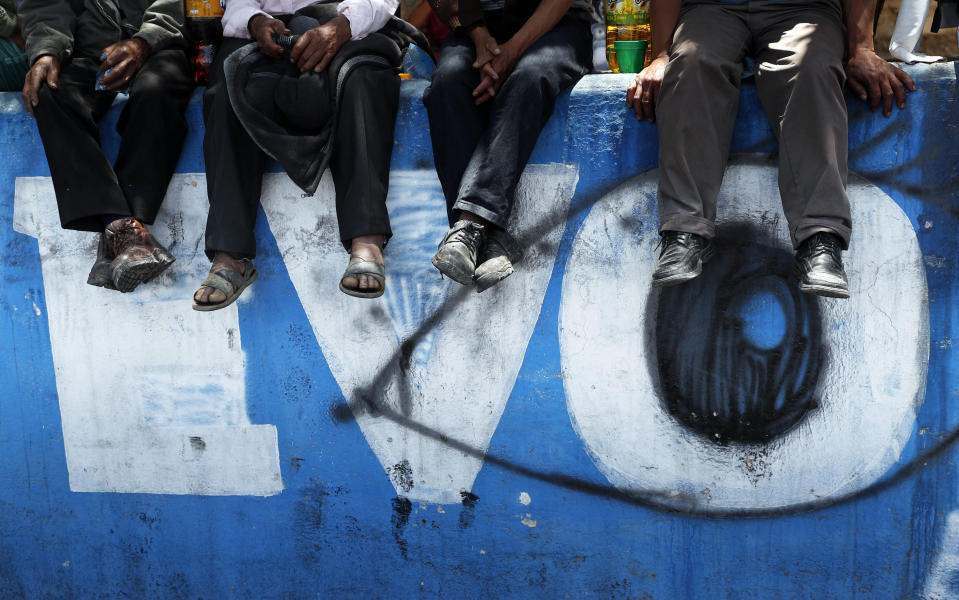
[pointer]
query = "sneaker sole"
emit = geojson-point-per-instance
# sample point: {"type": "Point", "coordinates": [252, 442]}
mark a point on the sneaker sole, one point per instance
{"type": "Point", "coordinates": [687, 276]}
{"type": "Point", "coordinates": [132, 274]}
{"type": "Point", "coordinates": [827, 291]}
{"type": "Point", "coordinates": [450, 270]}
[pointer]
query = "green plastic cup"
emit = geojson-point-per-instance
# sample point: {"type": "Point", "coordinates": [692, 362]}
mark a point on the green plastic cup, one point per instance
{"type": "Point", "coordinates": [630, 54]}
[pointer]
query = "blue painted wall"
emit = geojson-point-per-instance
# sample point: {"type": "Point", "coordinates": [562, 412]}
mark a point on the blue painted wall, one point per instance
{"type": "Point", "coordinates": [339, 529]}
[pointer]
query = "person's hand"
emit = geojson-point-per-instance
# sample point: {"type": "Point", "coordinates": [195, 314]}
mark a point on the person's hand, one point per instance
{"type": "Point", "coordinates": [45, 70]}
{"type": "Point", "coordinates": [317, 47]}
{"type": "Point", "coordinates": [486, 50]}
{"type": "Point", "coordinates": [502, 65]}
{"type": "Point", "coordinates": [125, 58]}
{"type": "Point", "coordinates": [262, 29]}
{"type": "Point", "coordinates": [870, 77]}
{"type": "Point", "coordinates": [643, 92]}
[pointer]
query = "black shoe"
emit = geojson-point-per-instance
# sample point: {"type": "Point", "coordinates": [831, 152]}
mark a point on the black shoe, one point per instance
{"type": "Point", "coordinates": [819, 263]}
{"type": "Point", "coordinates": [456, 256]}
{"type": "Point", "coordinates": [681, 258]}
{"type": "Point", "coordinates": [496, 259]}
{"type": "Point", "coordinates": [101, 275]}
{"type": "Point", "coordinates": [138, 256]}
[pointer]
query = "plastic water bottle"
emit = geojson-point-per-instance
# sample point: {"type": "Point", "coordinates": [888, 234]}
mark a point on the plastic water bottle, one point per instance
{"type": "Point", "coordinates": [203, 23]}
{"type": "Point", "coordinates": [626, 20]}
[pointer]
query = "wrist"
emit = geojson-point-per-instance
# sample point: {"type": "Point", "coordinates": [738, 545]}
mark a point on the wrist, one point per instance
{"type": "Point", "coordinates": [254, 23]}
{"type": "Point", "coordinates": [478, 33]}
{"type": "Point", "coordinates": [142, 45]}
{"type": "Point", "coordinates": [343, 29]}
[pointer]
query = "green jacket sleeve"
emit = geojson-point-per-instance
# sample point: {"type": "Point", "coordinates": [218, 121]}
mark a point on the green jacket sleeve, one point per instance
{"type": "Point", "coordinates": [8, 18]}
{"type": "Point", "coordinates": [162, 24]}
{"type": "Point", "coordinates": [47, 28]}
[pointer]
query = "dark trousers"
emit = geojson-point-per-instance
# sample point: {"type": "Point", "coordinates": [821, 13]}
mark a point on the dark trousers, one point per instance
{"type": "Point", "coordinates": [360, 164]}
{"type": "Point", "coordinates": [151, 127]}
{"type": "Point", "coordinates": [798, 47]}
{"type": "Point", "coordinates": [480, 151]}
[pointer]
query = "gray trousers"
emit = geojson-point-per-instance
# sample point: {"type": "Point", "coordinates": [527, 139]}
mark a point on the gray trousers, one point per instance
{"type": "Point", "coordinates": [798, 48]}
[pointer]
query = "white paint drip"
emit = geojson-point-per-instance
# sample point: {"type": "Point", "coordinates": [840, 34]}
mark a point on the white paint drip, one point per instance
{"type": "Point", "coordinates": [152, 393]}
{"type": "Point", "coordinates": [524, 499]}
{"type": "Point", "coordinates": [461, 373]}
{"type": "Point", "coordinates": [871, 385]}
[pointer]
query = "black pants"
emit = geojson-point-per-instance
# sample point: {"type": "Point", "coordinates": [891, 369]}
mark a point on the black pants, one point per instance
{"type": "Point", "coordinates": [151, 127]}
{"type": "Point", "coordinates": [480, 151]}
{"type": "Point", "coordinates": [362, 147]}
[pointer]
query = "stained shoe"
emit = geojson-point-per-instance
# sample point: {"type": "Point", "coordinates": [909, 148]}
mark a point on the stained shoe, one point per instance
{"type": "Point", "coordinates": [496, 259]}
{"type": "Point", "coordinates": [101, 275]}
{"type": "Point", "coordinates": [819, 264]}
{"type": "Point", "coordinates": [681, 258]}
{"type": "Point", "coordinates": [138, 256]}
{"type": "Point", "coordinates": [456, 256]}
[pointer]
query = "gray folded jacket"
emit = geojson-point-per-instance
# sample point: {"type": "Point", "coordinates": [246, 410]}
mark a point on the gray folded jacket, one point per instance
{"type": "Point", "coordinates": [291, 115]}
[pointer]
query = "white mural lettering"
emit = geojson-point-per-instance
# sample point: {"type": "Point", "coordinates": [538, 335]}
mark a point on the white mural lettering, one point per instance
{"type": "Point", "coordinates": [427, 407]}
{"type": "Point", "coordinates": [869, 372]}
{"type": "Point", "coordinates": [152, 394]}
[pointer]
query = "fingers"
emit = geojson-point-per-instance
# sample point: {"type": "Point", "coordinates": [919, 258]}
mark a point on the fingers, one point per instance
{"type": "Point", "coordinates": [887, 96]}
{"type": "Point", "coordinates": [489, 71]}
{"type": "Point", "coordinates": [30, 88]}
{"type": "Point", "coordinates": [875, 94]}
{"type": "Point", "coordinates": [324, 61]}
{"type": "Point", "coordinates": [857, 89]}
{"type": "Point", "coordinates": [311, 57]}
{"type": "Point", "coordinates": [484, 91]}
{"type": "Point", "coordinates": [53, 75]}
{"type": "Point", "coordinates": [905, 79]}
{"type": "Point", "coordinates": [301, 45]}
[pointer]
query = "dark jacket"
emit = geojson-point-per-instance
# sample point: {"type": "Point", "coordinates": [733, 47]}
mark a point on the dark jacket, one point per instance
{"type": "Point", "coordinates": [291, 115]}
{"type": "Point", "coordinates": [83, 28]}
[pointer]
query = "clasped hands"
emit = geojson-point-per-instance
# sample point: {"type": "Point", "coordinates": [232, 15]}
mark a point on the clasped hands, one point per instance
{"type": "Point", "coordinates": [315, 48]}
{"type": "Point", "coordinates": [494, 61]}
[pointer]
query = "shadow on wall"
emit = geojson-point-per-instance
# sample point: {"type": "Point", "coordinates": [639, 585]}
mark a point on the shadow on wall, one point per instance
{"type": "Point", "coordinates": [738, 349]}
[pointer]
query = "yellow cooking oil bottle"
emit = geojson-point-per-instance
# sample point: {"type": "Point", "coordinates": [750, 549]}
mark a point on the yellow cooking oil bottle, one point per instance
{"type": "Point", "coordinates": [626, 20]}
{"type": "Point", "coordinates": [203, 23]}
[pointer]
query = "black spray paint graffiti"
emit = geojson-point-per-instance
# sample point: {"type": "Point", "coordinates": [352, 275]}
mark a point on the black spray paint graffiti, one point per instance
{"type": "Point", "coordinates": [667, 501]}
{"type": "Point", "coordinates": [721, 376]}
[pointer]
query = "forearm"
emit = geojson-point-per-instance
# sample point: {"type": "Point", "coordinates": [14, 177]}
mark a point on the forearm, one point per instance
{"type": "Point", "coordinates": [162, 23]}
{"type": "Point", "coordinates": [546, 16]}
{"type": "Point", "coordinates": [859, 20]}
{"type": "Point", "coordinates": [47, 28]}
{"type": "Point", "coordinates": [663, 16]}
{"type": "Point", "coordinates": [458, 13]}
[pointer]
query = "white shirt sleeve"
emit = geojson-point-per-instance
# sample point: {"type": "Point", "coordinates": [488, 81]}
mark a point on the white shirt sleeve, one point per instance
{"type": "Point", "coordinates": [366, 16]}
{"type": "Point", "coordinates": [237, 15]}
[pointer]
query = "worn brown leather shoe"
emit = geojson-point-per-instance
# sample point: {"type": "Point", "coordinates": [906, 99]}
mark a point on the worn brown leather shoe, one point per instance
{"type": "Point", "coordinates": [101, 275]}
{"type": "Point", "coordinates": [138, 256]}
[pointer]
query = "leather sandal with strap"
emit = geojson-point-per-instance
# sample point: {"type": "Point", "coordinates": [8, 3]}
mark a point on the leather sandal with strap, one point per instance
{"type": "Point", "coordinates": [358, 267]}
{"type": "Point", "coordinates": [229, 282]}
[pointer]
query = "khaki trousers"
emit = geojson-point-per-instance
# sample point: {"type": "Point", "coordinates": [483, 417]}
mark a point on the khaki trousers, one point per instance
{"type": "Point", "coordinates": [798, 49]}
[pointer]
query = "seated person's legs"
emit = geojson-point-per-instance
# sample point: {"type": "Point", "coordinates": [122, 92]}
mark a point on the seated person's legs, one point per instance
{"type": "Point", "coordinates": [360, 165]}
{"type": "Point", "coordinates": [803, 98]}
{"type": "Point", "coordinates": [477, 248]}
{"type": "Point", "coordinates": [234, 165]}
{"type": "Point", "coordinates": [695, 113]}
{"type": "Point", "coordinates": [89, 196]}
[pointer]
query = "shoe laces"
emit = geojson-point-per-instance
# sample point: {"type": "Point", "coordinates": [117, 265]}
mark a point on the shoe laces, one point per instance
{"type": "Point", "coordinates": [469, 235]}
{"type": "Point", "coordinates": [823, 243]}
{"type": "Point", "coordinates": [671, 238]}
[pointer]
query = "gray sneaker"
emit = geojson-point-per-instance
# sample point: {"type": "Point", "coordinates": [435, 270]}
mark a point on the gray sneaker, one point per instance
{"type": "Point", "coordinates": [496, 259]}
{"type": "Point", "coordinates": [457, 253]}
